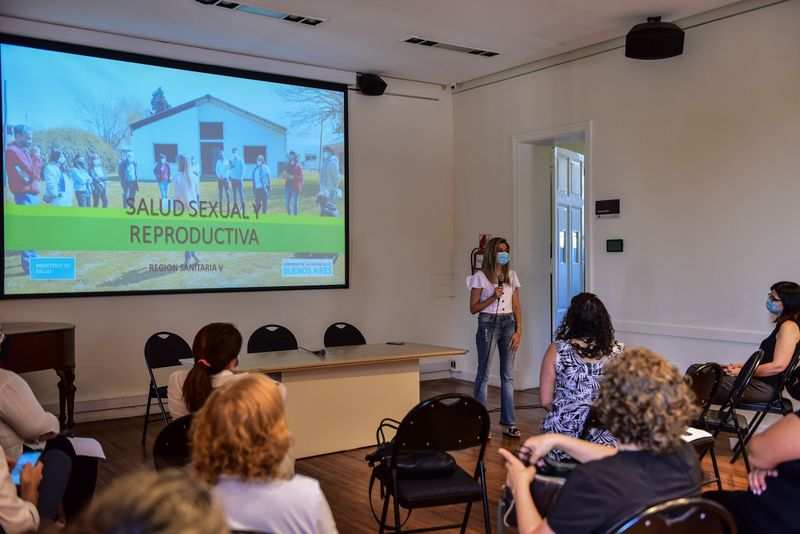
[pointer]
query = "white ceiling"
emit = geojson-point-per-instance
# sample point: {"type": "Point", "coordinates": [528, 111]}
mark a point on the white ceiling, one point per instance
{"type": "Point", "coordinates": [367, 35]}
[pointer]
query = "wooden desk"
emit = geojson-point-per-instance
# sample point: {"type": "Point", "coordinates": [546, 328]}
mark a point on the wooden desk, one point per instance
{"type": "Point", "coordinates": [40, 346]}
{"type": "Point", "coordinates": [336, 402]}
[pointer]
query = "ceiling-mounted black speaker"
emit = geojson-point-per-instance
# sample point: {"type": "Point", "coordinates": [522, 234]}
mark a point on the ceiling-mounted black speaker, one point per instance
{"type": "Point", "coordinates": [654, 40]}
{"type": "Point", "coordinates": [370, 84]}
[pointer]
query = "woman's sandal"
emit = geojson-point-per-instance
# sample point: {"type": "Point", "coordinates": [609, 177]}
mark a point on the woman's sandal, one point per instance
{"type": "Point", "coordinates": [511, 432]}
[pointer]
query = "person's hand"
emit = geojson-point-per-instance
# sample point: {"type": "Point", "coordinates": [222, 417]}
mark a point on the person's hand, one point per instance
{"type": "Point", "coordinates": [498, 292]}
{"type": "Point", "coordinates": [758, 479]}
{"type": "Point", "coordinates": [539, 446]}
{"type": "Point", "coordinates": [732, 369]}
{"type": "Point", "coordinates": [30, 478]}
{"type": "Point", "coordinates": [516, 339]}
{"type": "Point", "coordinates": [518, 475]}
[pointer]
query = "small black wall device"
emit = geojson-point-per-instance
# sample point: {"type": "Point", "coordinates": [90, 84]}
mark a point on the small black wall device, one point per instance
{"type": "Point", "coordinates": [370, 84]}
{"type": "Point", "coordinates": [614, 245]}
{"type": "Point", "coordinates": [607, 207]}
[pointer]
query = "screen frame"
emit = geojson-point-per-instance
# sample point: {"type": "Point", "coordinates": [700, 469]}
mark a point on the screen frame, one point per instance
{"type": "Point", "coordinates": [133, 57]}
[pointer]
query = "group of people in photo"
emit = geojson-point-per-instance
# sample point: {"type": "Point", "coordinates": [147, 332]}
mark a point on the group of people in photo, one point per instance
{"type": "Point", "coordinates": [79, 178]}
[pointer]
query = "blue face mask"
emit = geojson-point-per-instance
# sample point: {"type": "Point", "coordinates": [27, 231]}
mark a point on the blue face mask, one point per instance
{"type": "Point", "coordinates": [775, 307]}
{"type": "Point", "coordinates": [503, 258]}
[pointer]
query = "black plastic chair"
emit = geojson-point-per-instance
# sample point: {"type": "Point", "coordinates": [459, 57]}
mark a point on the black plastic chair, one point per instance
{"type": "Point", "coordinates": [778, 405]}
{"type": "Point", "coordinates": [342, 335]}
{"type": "Point", "coordinates": [726, 419]}
{"type": "Point", "coordinates": [270, 338]}
{"type": "Point", "coordinates": [448, 422]}
{"type": "Point", "coordinates": [162, 349]}
{"type": "Point", "coordinates": [679, 516]}
{"type": "Point", "coordinates": [171, 448]}
{"type": "Point", "coordinates": [704, 381]}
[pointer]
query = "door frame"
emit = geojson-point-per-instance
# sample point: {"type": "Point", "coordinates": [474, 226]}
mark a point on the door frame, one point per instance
{"type": "Point", "coordinates": [523, 173]}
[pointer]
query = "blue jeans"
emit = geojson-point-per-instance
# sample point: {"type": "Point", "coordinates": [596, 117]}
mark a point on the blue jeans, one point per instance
{"type": "Point", "coordinates": [496, 330]}
{"type": "Point", "coordinates": [163, 187]}
{"type": "Point", "coordinates": [29, 199]}
{"type": "Point", "coordinates": [292, 199]}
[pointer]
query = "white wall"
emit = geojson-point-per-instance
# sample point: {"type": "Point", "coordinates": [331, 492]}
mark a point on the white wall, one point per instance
{"type": "Point", "coordinates": [702, 151]}
{"type": "Point", "coordinates": [401, 216]}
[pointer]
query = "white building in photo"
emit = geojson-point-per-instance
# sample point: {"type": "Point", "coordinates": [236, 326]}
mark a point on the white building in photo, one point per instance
{"type": "Point", "coordinates": [201, 128]}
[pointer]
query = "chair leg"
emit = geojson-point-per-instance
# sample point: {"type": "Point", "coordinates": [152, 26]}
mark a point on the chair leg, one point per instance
{"type": "Point", "coordinates": [487, 518]}
{"type": "Point", "coordinates": [741, 435]}
{"type": "Point", "coordinates": [385, 512]}
{"type": "Point", "coordinates": [751, 430]}
{"type": "Point", "coordinates": [396, 502]}
{"type": "Point", "coordinates": [501, 512]}
{"type": "Point", "coordinates": [465, 522]}
{"type": "Point", "coordinates": [713, 455]}
{"type": "Point", "coordinates": [146, 419]}
{"type": "Point", "coordinates": [164, 415]}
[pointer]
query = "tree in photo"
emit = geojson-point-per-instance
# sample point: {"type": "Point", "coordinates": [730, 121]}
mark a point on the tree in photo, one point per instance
{"type": "Point", "coordinates": [158, 102]}
{"type": "Point", "coordinates": [109, 120]}
{"type": "Point", "coordinates": [73, 142]}
{"type": "Point", "coordinates": [317, 107]}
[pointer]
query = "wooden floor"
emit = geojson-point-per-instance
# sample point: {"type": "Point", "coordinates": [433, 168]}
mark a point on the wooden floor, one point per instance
{"type": "Point", "coordinates": [344, 476]}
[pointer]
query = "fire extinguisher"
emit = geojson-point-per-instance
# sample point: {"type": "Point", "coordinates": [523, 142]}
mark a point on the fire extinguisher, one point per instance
{"type": "Point", "coordinates": [476, 256]}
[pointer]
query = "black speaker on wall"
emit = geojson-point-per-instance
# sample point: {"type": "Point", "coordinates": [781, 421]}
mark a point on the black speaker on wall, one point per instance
{"type": "Point", "coordinates": [654, 40]}
{"type": "Point", "coordinates": [370, 84]}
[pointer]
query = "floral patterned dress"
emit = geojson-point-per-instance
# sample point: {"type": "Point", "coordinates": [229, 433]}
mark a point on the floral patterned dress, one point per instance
{"type": "Point", "coordinates": [576, 388]}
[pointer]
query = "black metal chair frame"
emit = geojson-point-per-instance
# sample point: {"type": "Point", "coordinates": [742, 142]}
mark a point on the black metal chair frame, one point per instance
{"type": "Point", "coordinates": [406, 440]}
{"type": "Point", "coordinates": [777, 405]}
{"type": "Point", "coordinates": [682, 509]}
{"type": "Point", "coordinates": [728, 419]}
{"type": "Point", "coordinates": [703, 446]}
{"type": "Point", "coordinates": [177, 429]}
{"type": "Point", "coordinates": [156, 360]}
{"type": "Point", "coordinates": [342, 334]}
{"type": "Point", "coordinates": [271, 337]}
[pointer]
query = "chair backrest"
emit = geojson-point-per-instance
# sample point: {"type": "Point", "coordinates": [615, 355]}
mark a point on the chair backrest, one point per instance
{"type": "Point", "coordinates": [704, 381]}
{"type": "Point", "coordinates": [165, 349]}
{"type": "Point", "coordinates": [743, 378]}
{"type": "Point", "coordinates": [171, 448]}
{"type": "Point", "coordinates": [271, 337]}
{"type": "Point", "coordinates": [343, 334]}
{"type": "Point", "coordinates": [792, 382]}
{"type": "Point", "coordinates": [448, 422]}
{"type": "Point", "coordinates": [679, 516]}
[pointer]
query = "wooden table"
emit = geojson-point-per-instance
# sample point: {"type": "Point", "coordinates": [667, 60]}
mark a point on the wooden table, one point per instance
{"type": "Point", "coordinates": [335, 402]}
{"type": "Point", "coordinates": [40, 346]}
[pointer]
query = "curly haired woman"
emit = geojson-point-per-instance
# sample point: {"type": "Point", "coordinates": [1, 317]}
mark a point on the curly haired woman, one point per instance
{"type": "Point", "coordinates": [240, 441]}
{"type": "Point", "coordinates": [646, 404]}
{"type": "Point", "coordinates": [572, 369]}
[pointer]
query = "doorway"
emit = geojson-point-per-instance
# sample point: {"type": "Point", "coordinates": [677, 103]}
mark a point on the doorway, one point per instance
{"type": "Point", "coordinates": [568, 252]}
{"type": "Point", "coordinates": [551, 235]}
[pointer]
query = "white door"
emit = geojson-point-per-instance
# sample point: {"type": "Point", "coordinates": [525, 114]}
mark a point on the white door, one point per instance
{"type": "Point", "coordinates": [567, 238]}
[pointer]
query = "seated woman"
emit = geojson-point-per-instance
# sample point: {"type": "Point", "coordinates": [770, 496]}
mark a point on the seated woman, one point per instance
{"type": "Point", "coordinates": [572, 368]}
{"type": "Point", "coordinates": [240, 440]}
{"type": "Point", "coordinates": [41, 492]}
{"type": "Point", "coordinates": [164, 502]}
{"type": "Point", "coordinates": [216, 349]}
{"type": "Point", "coordinates": [646, 404]}
{"type": "Point", "coordinates": [774, 481]}
{"type": "Point", "coordinates": [783, 301]}
{"type": "Point", "coordinates": [25, 425]}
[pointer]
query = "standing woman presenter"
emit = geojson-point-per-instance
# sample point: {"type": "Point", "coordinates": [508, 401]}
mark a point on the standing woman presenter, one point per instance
{"type": "Point", "coordinates": [494, 296]}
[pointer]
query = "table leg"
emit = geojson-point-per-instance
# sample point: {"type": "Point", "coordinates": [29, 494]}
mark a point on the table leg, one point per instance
{"type": "Point", "coordinates": [66, 397]}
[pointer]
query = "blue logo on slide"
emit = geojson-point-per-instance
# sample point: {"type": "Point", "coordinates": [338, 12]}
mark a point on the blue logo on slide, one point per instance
{"type": "Point", "coordinates": [299, 267]}
{"type": "Point", "coordinates": [44, 268]}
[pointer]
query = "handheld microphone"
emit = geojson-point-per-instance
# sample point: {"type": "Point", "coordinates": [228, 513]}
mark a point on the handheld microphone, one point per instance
{"type": "Point", "coordinates": [500, 280]}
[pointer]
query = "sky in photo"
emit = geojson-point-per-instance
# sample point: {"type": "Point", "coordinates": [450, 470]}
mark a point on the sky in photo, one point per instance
{"type": "Point", "coordinates": [43, 89]}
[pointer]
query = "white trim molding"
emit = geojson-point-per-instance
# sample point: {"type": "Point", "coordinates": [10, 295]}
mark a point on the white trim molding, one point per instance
{"type": "Point", "coordinates": [704, 333]}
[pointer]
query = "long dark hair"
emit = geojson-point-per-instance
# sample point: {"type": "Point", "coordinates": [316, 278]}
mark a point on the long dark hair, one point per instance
{"type": "Point", "coordinates": [489, 266]}
{"type": "Point", "coordinates": [587, 319]}
{"type": "Point", "coordinates": [789, 293]}
{"type": "Point", "coordinates": [214, 347]}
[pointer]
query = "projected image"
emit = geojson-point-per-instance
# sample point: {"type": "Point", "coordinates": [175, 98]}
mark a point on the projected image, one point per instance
{"type": "Point", "coordinates": [128, 177]}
